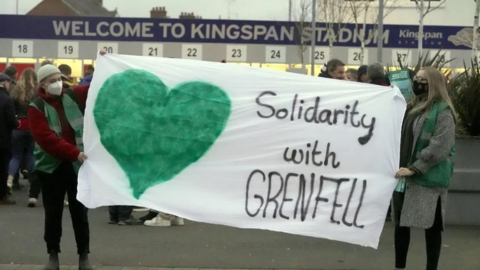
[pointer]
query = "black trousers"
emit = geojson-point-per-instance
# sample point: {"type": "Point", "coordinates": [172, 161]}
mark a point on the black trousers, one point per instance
{"type": "Point", "coordinates": [120, 212]}
{"type": "Point", "coordinates": [35, 186]}
{"type": "Point", "coordinates": [63, 180]}
{"type": "Point", "coordinates": [433, 239]}
{"type": "Point", "coordinates": [5, 156]}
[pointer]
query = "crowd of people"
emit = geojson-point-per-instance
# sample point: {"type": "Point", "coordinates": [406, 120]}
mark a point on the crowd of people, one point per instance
{"type": "Point", "coordinates": [374, 73]}
{"type": "Point", "coordinates": [41, 130]}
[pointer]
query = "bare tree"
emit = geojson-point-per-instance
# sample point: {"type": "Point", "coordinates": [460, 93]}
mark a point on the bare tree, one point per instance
{"type": "Point", "coordinates": [302, 17]}
{"type": "Point", "coordinates": [423, 11]}
{"type": "Point", "coordinates": [475, 31]}
{"type": "Point", "coordinates": [335, 15]}
{"type": "Point", "coordinates": [363, 13]}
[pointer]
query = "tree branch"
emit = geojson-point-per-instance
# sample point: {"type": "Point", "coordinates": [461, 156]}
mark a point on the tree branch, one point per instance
{"type": "Point", "coordinates": [429, 8]}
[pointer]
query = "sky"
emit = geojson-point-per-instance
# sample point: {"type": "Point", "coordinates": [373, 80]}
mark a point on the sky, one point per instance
{"type": "Point", "coordinates": [208, 9]}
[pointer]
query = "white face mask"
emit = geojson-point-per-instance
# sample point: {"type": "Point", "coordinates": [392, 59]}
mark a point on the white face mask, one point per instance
{"type": "Point", "coordinates": [55, 89]}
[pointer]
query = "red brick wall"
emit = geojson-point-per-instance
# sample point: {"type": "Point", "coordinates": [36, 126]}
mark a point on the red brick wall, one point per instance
{"type": "Point", "coordinates": [52, 8]}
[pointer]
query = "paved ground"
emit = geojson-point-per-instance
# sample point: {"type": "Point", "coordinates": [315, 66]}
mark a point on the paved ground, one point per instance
{"type": "Point", "coordinates": [205, 246]}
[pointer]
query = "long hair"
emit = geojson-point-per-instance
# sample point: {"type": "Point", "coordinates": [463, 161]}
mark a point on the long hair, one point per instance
{"type": "Point", "coordinates": [437, 91]}
{"type": "Point", "coordinates": [25, 88]}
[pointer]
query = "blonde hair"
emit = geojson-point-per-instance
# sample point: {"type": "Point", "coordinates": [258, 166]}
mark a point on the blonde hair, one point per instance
{"type": "Point", "coordinates": [437, 91]}
{"type": "Point", "coordinates": [25, 88]}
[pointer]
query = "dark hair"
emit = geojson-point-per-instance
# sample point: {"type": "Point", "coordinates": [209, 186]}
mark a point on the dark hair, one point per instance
{"type": "Point", "coordinates": [333, 64]}
{"type": "Point", "coordinates": [11, 72]}
{"type": "Point", "coordinates": [65, 69]}
{"type": "Point", "coordinates": [90, 69]}
{"type": "Point", "coordinates": [362, 70]}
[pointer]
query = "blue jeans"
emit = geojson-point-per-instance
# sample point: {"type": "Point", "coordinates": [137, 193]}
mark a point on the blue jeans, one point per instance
{"type": "Point", "coordinates": [21, 140]}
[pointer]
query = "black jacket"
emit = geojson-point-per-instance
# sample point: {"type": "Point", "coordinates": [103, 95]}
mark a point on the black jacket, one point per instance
{"type": "Point", "coordinates": [380, 81]}
{"type": "Point", "coordinates": [8, 121]}
{"type": "Point", "coordinates": [325, 75]}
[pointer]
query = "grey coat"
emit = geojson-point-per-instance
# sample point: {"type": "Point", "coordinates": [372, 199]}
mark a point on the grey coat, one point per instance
{"type": "Point", "coordinates": [420, 202]}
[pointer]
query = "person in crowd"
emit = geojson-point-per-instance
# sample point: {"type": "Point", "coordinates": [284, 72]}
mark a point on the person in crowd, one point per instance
{"type": "Point", "coordinates": [12, 73]}
{"type": "Point", "coordinates": [122, 215]}
{"type": "Point", "coordinates": [362, 75]}
{"type": "Point", "coordinates": [376, 74]}
{"type": "Point", "coordinates": [46, 62]}
{"type": "Point", "coordinates": [88, 75]}
{"type": "Point", "coordinates": [22, 95]}
{"type": "Point", "coordinates": [8, 122]}
{"type": "Point", "coordinates": [66, 71]}
{"type": "Point", "coordinates": [335, 69]}
{"type": "Point", "coordinates": [66, 75]}
{"type": "Point", "coordinates": [426, 152]}
{"type": "Point", "coordinates": [56, 124]}
{"type": "Point", "coordinates": [351, 75]}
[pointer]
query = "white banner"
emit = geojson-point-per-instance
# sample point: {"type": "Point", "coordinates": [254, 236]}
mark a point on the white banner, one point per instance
{"type": "Point", "coordinates": [240, 146]}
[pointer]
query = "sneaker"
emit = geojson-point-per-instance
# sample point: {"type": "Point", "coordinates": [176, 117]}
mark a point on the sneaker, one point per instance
{"type": "Point", "coordinates": [9, 187]}
{"type": "Point", "coordinates": [7, 201]}
{"type": "Point", "coordinates": [177, 221]}
{"type": "Point", "coordinates": [32, 202]}
{"type": "Point", "coordinates": [151, 215]}
{"type": "Point", "coordinates": [25, 174]}
{"type": "Point", "coordinates": [111, 222]}
{"type": "Point", "coordinates": [159, 221]}
{"type": "Point", "coordinates": [9, 183]}
{"type": "Point", "coordinates": [131, 221]}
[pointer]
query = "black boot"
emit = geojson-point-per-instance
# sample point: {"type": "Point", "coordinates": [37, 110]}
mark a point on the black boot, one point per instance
{"type": "Point", "coordinates": [151, 215]}
{"type": "Point", "coordinates": [53, 263]}
{"type": "Point", "coordinates": [84, 263]}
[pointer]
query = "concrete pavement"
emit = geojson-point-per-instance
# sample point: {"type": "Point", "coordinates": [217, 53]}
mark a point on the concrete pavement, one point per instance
{"type": "Point", "coordinates": [204, 246]}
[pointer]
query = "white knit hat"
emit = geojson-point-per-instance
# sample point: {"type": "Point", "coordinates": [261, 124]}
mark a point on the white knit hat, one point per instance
{"type": "Point", "coordinates": [45, 71]}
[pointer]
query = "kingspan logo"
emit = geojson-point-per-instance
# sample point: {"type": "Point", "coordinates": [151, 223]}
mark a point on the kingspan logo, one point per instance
{"type": "Point", "coordinates": [426, 35]}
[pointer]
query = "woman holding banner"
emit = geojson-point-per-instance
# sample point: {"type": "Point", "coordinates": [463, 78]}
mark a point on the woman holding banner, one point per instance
{"type": "Point", "coordinates": [427, 146]}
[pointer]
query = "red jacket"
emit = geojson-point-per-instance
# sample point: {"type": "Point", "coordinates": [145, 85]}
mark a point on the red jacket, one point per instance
{"type": "Point", "coordinates": [65, 147]}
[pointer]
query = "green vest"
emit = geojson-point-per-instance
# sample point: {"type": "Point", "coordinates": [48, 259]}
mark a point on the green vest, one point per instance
{"type": "Point", "coordinates": [45, 162]}
{"type": "Point", "coordinates": [440, 174]}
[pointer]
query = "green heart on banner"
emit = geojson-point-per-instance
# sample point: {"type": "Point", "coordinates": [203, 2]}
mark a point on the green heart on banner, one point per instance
{"type": "Point", "coordinates": [154, 133]}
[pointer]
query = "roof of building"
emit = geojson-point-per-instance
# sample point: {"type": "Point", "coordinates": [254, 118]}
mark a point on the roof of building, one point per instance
{"type": "Point", "coordinates": [90, 8]}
